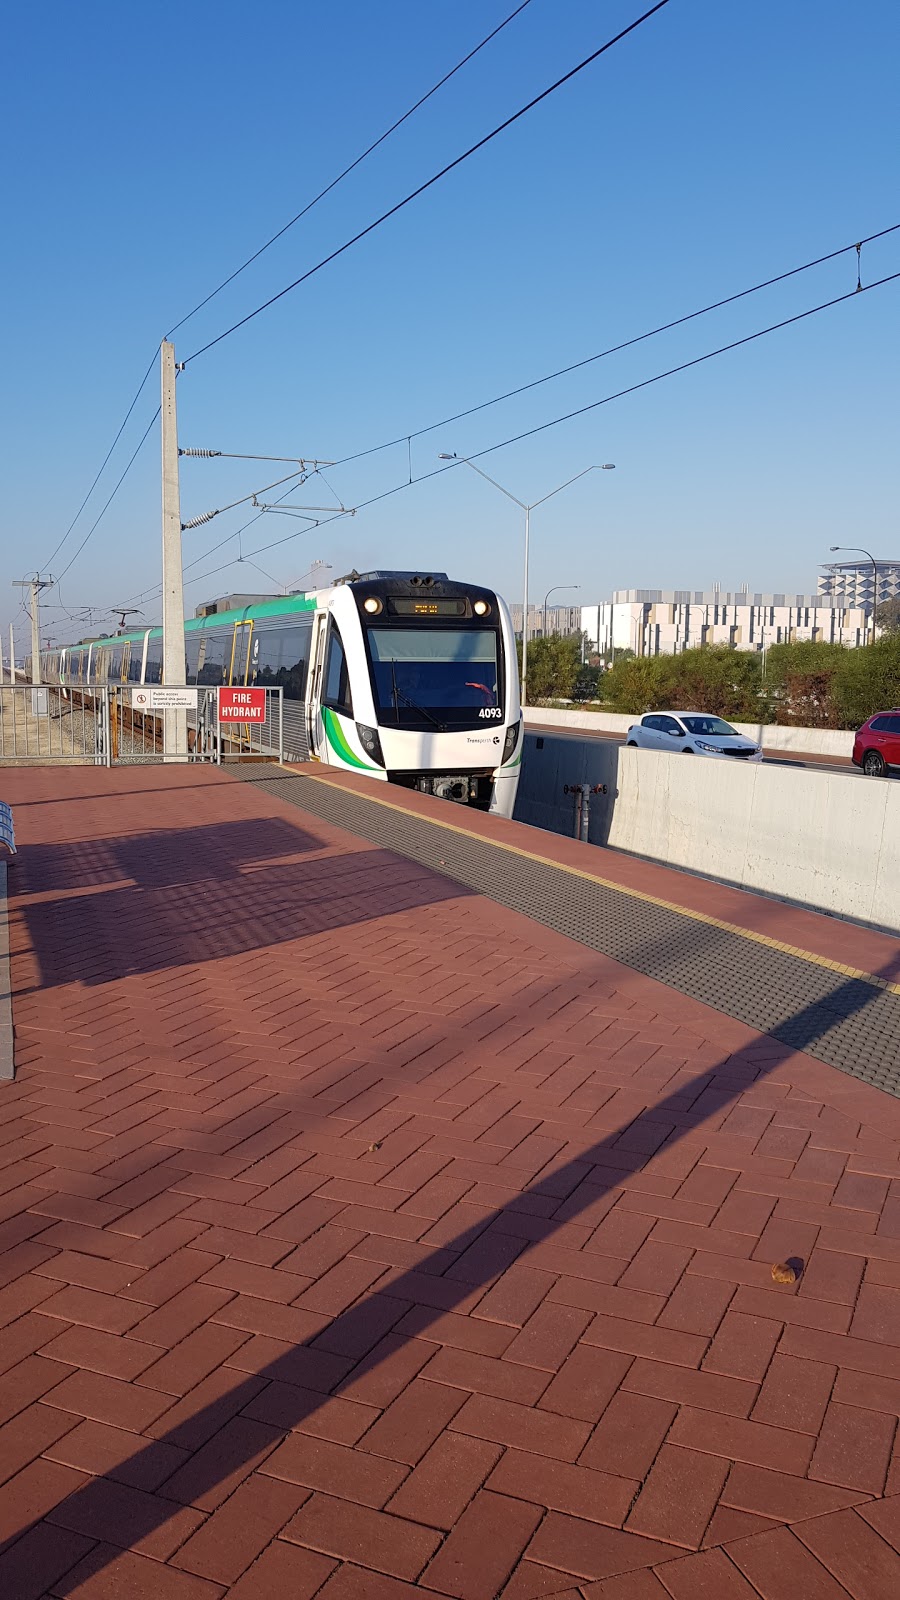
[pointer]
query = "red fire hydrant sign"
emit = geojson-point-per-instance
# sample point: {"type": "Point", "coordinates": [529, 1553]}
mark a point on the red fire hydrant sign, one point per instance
{"type": "Point", "coordinates": [242, 705]}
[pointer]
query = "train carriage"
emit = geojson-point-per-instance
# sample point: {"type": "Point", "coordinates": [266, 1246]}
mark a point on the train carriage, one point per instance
{"type": "Point", "coordinates": [407, 677]}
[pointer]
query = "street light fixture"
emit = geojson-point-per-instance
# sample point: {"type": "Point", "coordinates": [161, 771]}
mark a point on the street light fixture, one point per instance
{"type": "Point", "coordinates": [856, 549]}
{"type": "Point", "coordinates": [607, 466]}
{"type": "Point", "coordinates": [555, 590]}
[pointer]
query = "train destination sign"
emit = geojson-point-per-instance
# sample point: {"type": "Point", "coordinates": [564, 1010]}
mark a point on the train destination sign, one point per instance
{"type": "Point", "coordinates": [242, 705]}
{"type": "Point", "coordinates": [156, 697]}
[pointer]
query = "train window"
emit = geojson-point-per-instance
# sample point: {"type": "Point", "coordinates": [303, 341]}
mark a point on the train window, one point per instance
{"type": "Point", "coordinates": [281, 658]}
{"type": "Point", "coordinates": [213, 660]}
{"type": "Point", "coordinates": [336, 687]}
{"type": "Point", "coordinates": [417, 672]}
{"type": "Point", "coordinates": [194, 652]}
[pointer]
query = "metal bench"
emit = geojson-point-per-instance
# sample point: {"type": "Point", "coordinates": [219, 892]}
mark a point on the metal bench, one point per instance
{"type": "Point", "coordinates": [7, 828]}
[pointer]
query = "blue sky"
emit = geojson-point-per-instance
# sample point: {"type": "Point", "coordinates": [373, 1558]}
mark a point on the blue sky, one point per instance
{"type": "Point", "coordinates": [153, 148]}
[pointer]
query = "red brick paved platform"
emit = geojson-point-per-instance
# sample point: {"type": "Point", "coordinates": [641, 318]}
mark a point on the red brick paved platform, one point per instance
{"type": "Point", "coordinates": [362, 1238]}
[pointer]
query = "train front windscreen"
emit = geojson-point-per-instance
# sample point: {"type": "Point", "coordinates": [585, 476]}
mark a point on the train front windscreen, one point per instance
{"type": "Point", "coordinates": [422, 676]}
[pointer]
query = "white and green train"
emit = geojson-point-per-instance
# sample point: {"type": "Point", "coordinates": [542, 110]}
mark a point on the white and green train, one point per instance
{"type": "Point", "coordinates": [407, 677]}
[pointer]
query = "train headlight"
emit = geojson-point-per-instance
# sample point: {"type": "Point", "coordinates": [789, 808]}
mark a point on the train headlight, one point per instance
{"type": "Point", "coordinates": [372, 605]}
{"type": "Point", "coordinates": [481, 608]}
{"type": "Point", "coordinates": [511, 740]}
{"type": "Point", "coordinates": [368, 738]}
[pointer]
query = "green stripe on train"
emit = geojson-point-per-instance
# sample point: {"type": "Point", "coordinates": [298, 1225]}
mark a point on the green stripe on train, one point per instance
{"type": "Point", "coordinates": [290, 605]}
{"type": "Point", "coordinates": [338, 742]}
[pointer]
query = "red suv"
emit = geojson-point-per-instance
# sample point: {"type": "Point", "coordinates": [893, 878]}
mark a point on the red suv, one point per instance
{"type": "Point", "coordinates": [877, 744]}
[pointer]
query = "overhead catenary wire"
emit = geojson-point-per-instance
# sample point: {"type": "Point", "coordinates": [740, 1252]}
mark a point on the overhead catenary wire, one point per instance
{"type": "Point", "coordinates": [135, 453]}
{"type": "Point", "coordinates": [121, 429]}
{"type": "Point", "coordinates": [154, 590]}
{"type": "Point", "coordinates": [476, 455]}
{"type": "Point", "coordinates": [529, 433]}
{"type": "Point", "coordinates": [676, 322]}
{"type": "Point", "coordinates": [429, 183]}
{"type": "Point", "coordinates": [398, 123]}
{"type": "Point", "coordinates": [666, 327]}
{"type": "Point", "coordinates": [616, 349]}
{"type": "Point", "coordinates": [207, 516]}
{"type": "Point", "coordinates": [470, 56]}
{"type": "Point", "coordinates": [305, 463]}
{"type": "Point", "coordinates": [509, 394]}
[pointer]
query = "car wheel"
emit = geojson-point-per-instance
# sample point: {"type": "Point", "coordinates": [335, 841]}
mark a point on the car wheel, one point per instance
{"type": "Point", "coordinates": [873, 764]}
{"type": "Point", "coordinates": [687, 751]}
{"type": "Point", "coordinates": [632, 744]}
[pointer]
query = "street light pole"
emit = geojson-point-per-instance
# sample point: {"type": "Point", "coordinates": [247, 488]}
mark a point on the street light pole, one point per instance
{"type": "Point", "coordinates": [608, 466]}
{"type": "Point", "coordinates": [857, 549]}
{"type": "Point", "coordinates": [555, 590]}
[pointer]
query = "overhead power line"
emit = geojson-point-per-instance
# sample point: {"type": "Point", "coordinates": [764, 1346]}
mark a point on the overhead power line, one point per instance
{"type": "Point", "coordinates": [257, 253]}
{"type": "Point", "coordinates": [136, 452]}
{"type": "Point", "coordinates": [509, 394]}
{"type": "Point", "coordinates": [554, 422]}
{"type": "Point", "coordinates": [637, 339]}
{"type": "Point", "coordinates": [615, 349]}
{"type": "Point", "coordinates": [351, 168]}
{"type": "Point", "coordinates": [430, 182]}
{"type": "Point", "coordinates": [121, 429]}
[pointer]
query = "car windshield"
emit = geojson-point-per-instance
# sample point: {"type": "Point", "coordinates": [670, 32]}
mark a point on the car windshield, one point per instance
{"type": "Point", "coordinates": [713, 727]}
{"type": "Point", "coordinates": [450, 672]}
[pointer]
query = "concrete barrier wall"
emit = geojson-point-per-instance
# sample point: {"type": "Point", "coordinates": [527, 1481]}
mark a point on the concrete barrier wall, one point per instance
{"type": "Point", "coordinates": [830, 841]}
{"type": "Point", "coordinates": [806, 741]}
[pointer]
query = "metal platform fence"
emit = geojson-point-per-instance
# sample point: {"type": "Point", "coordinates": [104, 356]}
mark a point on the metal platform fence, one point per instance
{"type": "Point", "coordinates": [130, 724]}
{"type": "Point", "coordinates": [40, 723]}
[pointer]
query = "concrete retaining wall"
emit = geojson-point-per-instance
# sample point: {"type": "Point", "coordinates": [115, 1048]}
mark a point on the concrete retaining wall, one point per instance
{"type": "Point", "coordinates": [830, 841]}
{"type": "Point", "coordinates": [807, 741]}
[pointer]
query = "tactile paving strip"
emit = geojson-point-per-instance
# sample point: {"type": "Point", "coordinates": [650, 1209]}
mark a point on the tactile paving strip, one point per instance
{"type": "Point", "coordinates": [846, 1022]}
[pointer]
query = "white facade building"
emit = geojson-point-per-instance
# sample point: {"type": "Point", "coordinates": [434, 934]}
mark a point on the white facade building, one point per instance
{"type": "Point", "coordinates": [852, 583]}
{"type": "Point", "coordinates": [666, 621]}
{"type": "Point", "coordinates": [559, 619]}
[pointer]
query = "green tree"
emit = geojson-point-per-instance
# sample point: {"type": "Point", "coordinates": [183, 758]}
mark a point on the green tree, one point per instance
{"type": "Point", "coordinates": [867, 680]}
{"type": "Point", "coordinates": [553, 667]}
{"type": "Point", "coordinates": [719, 679]}
{"type": "Point", "coordinates": [587, 683]}
{"type": "Point", "coordinates": [716, 678]}
{"type": "Point", "coordinates": [638, 684]}
{"type": "Point", "coordinates": [887, 616]}
{"type": "Point", "coordinates": [817, 685]}
{"type": "Point", "coordinates": [800, 682]}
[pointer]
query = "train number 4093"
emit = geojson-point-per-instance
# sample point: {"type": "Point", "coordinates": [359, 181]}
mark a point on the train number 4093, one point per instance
{"type": "Point", "coordinates": [491, 712]}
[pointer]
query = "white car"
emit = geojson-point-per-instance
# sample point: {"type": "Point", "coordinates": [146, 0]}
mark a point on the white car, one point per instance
{"type": "Point", "coordinates": [693, 733]}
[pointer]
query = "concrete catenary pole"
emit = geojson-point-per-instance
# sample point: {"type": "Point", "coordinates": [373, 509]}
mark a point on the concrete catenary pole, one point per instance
{"type": "Point", "coordinates": [36, 631]}
{"type": "Point", "coordinates": [173, 663]}
{"type": "Point", "coordinates": [35, 585]}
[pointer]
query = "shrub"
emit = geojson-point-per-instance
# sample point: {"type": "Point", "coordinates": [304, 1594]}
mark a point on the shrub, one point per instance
{"type": "Point", "coordinates": [554, 664]}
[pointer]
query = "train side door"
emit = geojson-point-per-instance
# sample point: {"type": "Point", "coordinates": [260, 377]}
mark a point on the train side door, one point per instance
{"type": "Point", "coordinates": [239, 669]}
{"type": "Point", "coordinates": [315, 731]}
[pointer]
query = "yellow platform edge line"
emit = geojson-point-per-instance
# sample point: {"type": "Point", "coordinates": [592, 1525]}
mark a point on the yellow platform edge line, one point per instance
{"type": "Point", "coordinates": [633, 894]}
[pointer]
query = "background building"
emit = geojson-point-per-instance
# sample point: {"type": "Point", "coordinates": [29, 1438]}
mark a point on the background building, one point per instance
{"type": "Point", "coordinates": [560, 619]}
{"type": "Point", "coordinates": [667, 621]}
{"type": "Point", "coordinates": [852, 583]}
